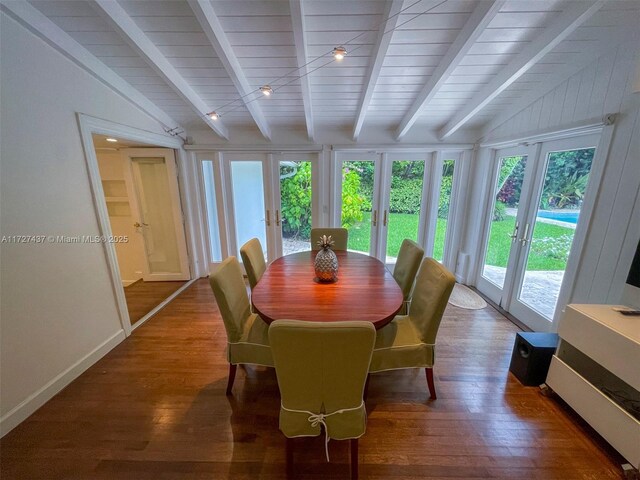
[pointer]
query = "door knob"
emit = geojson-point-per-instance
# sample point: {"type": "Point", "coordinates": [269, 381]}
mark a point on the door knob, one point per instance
{"type": "Point", "coordinates": [138, 224]}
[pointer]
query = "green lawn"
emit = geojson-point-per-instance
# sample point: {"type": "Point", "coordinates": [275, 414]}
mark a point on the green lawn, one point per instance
{"type": "Point", "coordinates": [551, 242]}
{"type": "Point", "coordinates": [401, 226]}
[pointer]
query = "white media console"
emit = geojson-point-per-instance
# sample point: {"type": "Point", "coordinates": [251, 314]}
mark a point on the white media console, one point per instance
{"type": "Point", "coordinates": [596, 370]}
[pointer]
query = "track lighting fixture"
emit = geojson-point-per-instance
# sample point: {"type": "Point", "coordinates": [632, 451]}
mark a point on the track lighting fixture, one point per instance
{"type": "Point", "coordinates": [339, 53]}
{"type": "Point", "coordinates": [266, 90]}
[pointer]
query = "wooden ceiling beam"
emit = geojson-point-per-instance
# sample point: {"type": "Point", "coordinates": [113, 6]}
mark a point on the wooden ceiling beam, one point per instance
{"type": "Point", "coordinates": [472, 29]}
{"type": "Point", "coordinates": [122, 23]}
{"type": "Point", "coordinates": [300, 40]}
{"type": "Point", "coordinates": [563, 73]}
{"type": "Point", "coordinates": [212, 28]}
{"type": "Point", "coordinates": [385, 32]}
{"type": "Point", "coordinates": [565, 24]}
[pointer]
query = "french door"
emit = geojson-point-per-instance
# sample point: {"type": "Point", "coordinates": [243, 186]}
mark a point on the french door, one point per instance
{"type": "Point", "coordinates": [387, 197]}
{"type": "Point", "coordinates": [266, 196]}
{"type": "Point", "coordinates": [535, 209]}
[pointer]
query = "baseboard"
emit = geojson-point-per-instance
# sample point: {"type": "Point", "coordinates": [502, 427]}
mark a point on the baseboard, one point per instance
{"type": "Point", "coordinates": [34, 401]}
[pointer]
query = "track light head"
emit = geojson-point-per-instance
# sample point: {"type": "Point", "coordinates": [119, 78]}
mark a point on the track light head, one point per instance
{"type": "Point", "coordinates": [339, 53]}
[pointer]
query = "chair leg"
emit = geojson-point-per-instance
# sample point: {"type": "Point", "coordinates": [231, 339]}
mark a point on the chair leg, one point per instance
{"type": "Point", "coordinates": [432, 387]}
{"type": "Point", "coordinates": [289, 454]}
{"type": "Point", "coordinates": [354, 459]}
{"type": "Point", "coordinates": [232, 377]}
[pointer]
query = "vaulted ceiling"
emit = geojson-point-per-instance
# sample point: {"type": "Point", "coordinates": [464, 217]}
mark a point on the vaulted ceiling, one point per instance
{"type": "Point", "coordinates": [437, 65]}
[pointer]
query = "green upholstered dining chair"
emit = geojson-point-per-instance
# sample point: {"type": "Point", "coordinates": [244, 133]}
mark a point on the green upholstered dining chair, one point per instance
{"type": "Point", "coordinates": [404, 272]}
{"type": "Point", "coordinates": [247, 333]}
{"type": "Point", "coordinates": [409, 340]}
{"type": "Point", "coordinates": [253, 260]}
{"type": "Point", "coordinates": [339, 235]}
{"type": "Point", "coordinates": [322, 369]}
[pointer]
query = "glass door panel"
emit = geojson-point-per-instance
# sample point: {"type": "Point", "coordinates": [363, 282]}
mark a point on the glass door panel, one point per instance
{"type": "Point", "coordinates": [294, 215]}
{"type": "Point", "coordinates": [503, 223]}
{"type": "Point", "coordinates": [248, 192]}
{"type": "Point", "coordinates": [405, 200]}
{"type": "Point", "coordinates": [558, 211]}
{"type": "Point", "coordinates": [358, 215]}
{"type": "Point", "coordinates": [213, 225]}
{"type": "Point", "coordinates": [444, 202]}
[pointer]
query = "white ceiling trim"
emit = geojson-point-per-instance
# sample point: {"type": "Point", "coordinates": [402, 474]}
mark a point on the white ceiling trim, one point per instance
{"type": "Point", "coordinates": [567, 22]}
{"type": "Point", "coordinates": [35, 21]}
{"type": "Point", "coordinates": [118, 18]}
{"type": "Point", "coordinates": [300, 40]}
{"type": "Point", "coordinates": [212, 28]}
{"type": "Point", "coordinates": [564, 73]}
{"type": "Point", "coordinates": [473, 28]}
{"type": "Point", "coordinates": [391, 15]}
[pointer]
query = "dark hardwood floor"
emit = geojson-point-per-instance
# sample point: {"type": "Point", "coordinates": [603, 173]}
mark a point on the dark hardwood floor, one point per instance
{"type": "Point", "coordinates": [142, 297]}
{"type": "Point", "coordinates": [155, 408]}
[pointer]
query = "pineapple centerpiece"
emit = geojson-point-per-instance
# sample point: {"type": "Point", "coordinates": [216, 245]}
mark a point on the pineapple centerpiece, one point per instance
{"type": "Point", "coordinates": [326, 263]}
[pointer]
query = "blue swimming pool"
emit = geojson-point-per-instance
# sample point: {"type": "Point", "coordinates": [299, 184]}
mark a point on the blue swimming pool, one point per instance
{"type": "Point", "coordinates": [569, 217]}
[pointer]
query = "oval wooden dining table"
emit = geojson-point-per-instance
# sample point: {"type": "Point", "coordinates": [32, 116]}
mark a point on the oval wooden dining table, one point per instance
{"type": "Point", "coordinates": [365, 290]}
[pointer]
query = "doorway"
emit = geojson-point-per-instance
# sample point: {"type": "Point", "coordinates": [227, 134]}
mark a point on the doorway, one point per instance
{"type": "Point", "coordinates": [534, 209]}
{"type": "Point", "coordinates": [143, 203]}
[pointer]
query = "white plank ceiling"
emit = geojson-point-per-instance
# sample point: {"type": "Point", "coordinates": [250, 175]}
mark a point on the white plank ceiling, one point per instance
{"type": "Point", "coordinates": [260, 35]}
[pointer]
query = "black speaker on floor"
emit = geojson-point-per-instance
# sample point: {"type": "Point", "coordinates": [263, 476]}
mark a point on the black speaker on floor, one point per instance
{"type": "Point", "coordinates": [531, 356]}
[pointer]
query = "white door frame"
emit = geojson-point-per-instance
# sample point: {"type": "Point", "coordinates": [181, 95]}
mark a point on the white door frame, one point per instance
{"type": "Point", "coordinates": [385, 198]}
{"type": "Point", "coordinates": [522, 311]}
{"type": "Point", "coordinates": [221, 200]}
{"type": "Point", "coordinates": [88, 126]}
{"type": "Point", "coordinates": [378, 160]}
{"type": "Point", "coordinates": [276, 198]}
{"type": "Point", "coordinates": [491, 290]}
{"type": "Point", "coordinates": [578, 139]}
{"type": "Point", "coordinates": [225, 162]}
{"type": "Point", "coordinates": [224, 198]}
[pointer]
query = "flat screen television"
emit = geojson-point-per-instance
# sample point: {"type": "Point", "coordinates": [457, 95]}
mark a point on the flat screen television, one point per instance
{"type": "Point", "coordinates": [631, 294]}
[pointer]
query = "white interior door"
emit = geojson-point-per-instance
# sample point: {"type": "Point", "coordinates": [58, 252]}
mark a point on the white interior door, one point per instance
{"type": "Point", "coordinates": [157, 213]}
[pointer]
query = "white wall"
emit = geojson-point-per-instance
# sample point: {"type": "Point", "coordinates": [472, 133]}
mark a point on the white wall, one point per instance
{"type": "Point", "coordinates": [130, 254]}
{"type": "Point", "coordinates": [605, 86]}
{"type": "Point", "coordinates": [58, 312]}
